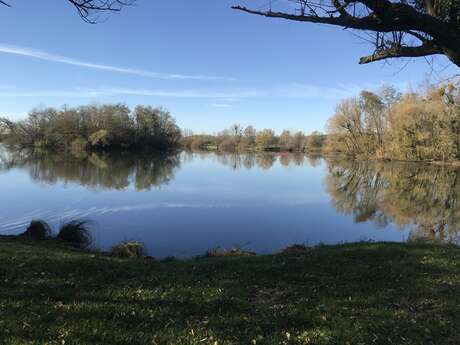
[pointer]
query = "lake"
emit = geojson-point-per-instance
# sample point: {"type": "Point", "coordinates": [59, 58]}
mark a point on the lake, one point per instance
{"type": "Point", "coordinates": [187, 203]}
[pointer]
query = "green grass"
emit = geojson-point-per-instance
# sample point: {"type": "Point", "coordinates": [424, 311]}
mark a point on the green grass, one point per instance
{"type": "Point", "coordinates": [349, 294]}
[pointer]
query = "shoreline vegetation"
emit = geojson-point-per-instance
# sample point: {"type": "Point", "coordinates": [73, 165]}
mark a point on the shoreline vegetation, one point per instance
{"type": "Point", "coordinates": [414, 126]}
{"type": "Point", "coordinates": [93, 128]}
{"type": "Point", "coordinates": [421, 126]}
{"type": "Point", "coordinates": [248, 139]}
{"type": "Point", "coordinates": [360, 293]}
{"type": "Point", "coordinates": [114, 127]}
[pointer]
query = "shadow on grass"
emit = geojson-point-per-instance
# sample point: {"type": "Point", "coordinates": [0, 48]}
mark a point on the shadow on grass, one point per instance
{"type": "Point", "coordinates": [360, 294]}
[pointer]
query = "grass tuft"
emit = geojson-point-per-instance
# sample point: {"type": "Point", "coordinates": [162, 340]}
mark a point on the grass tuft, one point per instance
{"type": "Point", "coordinates": [38, 230]}
{"type": "Point", "coordinates": [76, 233]}
{"type": "Point", "coordinates": [129, 250]}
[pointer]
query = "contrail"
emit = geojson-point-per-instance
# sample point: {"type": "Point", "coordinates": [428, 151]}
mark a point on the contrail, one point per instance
{"type": "Point", "coordinates": [42, 55]}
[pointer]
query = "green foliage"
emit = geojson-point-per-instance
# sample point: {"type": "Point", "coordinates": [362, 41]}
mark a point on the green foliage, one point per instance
{"type": "Point", "coordinates": [75, 233]}
{"type": "Point", "coordinates": [99, 138]}
{"type": "Point", "coordinates": [155, 127]}
{"type": "Point", "coordinates": [38, 230]}
{"type": "Point", "coordinates": [129, 250]}
{"type": "Point", "coordinates": [94, 127]}
{"type": "Point", "coordinates": [314, 142]}
{"type": "Point", "coordinates": [350, 294]}
{"type": "Point", "coordinates": [78, 145]}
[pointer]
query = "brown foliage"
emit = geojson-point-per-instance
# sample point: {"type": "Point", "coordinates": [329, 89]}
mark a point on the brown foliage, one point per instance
{"type": "Point", "coordinates": [415, 126]}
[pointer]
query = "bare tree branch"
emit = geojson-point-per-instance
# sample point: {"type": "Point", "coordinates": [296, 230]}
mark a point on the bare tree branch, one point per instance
{"type": "Point", "coordinates": [364, 23]}
{"type": "Point", "coordinates": [398, 52]}
{"type": "Point", "coordinates": [88, 8]}
{"type": "Point", "coordinates": [391, 23]}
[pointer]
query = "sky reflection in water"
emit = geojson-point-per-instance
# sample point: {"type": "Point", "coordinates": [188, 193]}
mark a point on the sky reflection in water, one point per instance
{"type": "Point", "coordinates": [188, 203]}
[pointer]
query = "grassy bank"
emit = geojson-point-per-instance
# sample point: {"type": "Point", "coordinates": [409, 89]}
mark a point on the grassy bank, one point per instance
{"type": "Point", "coordinates": [349, 294]}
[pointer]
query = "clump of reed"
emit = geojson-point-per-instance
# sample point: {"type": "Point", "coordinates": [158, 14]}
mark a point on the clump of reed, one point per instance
{"type": "Point", "coordinates": [38, 230]}
{"type": "Point", "coordinates": [129, 250]}
{"type": "Point", "coordinates": [76, 233]}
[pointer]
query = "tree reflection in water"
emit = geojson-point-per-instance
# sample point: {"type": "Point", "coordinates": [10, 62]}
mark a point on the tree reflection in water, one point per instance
{"type": "Point", "coordinates": [421, 197]}
{"type": "Point", "coordinates": [96, 170]}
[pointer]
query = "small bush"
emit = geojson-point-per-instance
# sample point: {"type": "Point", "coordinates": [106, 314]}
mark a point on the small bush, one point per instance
{"type": "Point", "coordinates": [215, 253]}
{"type": "Point", "coordinates": [78, 145]}
{"type": "Point", "coordinates": [228, 145]}
{"type": "Point", "coordinates": [295, 249]}
{"type": "Point", "coordinates": [170, 259]}
{"type": "Point", "coordinates": [76, 233]}
{"type": "Point", "coordinates": [129, 250]}
{"type": "Point", "coordinates": [38, 230]}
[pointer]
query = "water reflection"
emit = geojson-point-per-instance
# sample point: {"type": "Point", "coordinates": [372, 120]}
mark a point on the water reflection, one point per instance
{"type": "Point", "coordinates": [142, 170]}
{"type": "Point", "coordinates": [250, 160]}
{"type": "Point", "coordinates": [96, 170]}
{"type": "Point", "coordinates": [421, 197]}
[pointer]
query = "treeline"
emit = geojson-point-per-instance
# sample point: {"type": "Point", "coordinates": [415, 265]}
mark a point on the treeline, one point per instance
{"type": "Point", "coordinates": [239, 139]}
{"type": "Point", "coordinates": [93, 127]}
{"type": "Point", "coordinates": [415, 126]}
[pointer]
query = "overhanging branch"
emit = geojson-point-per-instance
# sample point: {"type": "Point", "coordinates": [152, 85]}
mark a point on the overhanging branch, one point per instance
{"type": "Point", "coordinates": [369, 22]}
{"type": "Point", "coordinates": [389, 20]}
{"type": "Point", "coordinates": [399, 52]}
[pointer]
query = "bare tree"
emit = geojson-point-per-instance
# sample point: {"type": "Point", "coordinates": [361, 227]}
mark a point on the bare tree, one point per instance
{"type": "Point", "coordinates": [396, 28]}
{"type": "Point", "coordinates": [88, 9]}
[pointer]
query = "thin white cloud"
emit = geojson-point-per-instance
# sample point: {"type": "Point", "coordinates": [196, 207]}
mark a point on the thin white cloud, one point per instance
{"type": "Point", "coordinates": [287, 91]}
{"type": "Point", "coordinates": [280, 92]}
{"type": "Point", "coordinates": [113, 92]}
{"type": "Point", "coordinates": [42, 55]}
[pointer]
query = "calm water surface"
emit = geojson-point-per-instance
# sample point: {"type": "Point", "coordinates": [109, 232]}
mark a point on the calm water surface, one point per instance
{"type": "Point", "coordinates": [185, 204]}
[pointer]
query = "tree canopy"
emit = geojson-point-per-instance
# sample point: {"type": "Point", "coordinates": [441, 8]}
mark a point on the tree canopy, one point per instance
{"type": "Point", "coordinates": [396, 29]}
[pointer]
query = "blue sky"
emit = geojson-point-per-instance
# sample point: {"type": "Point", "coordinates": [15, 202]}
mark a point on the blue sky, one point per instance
{"type": "Point", "coordinates": [209, 65]}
